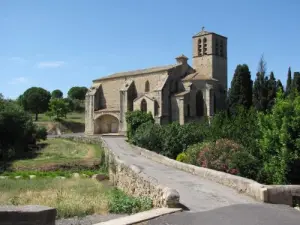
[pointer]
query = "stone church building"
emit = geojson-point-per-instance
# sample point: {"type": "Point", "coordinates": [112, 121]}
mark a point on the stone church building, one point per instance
{"type": "Point", "coordinates": [177, 92]}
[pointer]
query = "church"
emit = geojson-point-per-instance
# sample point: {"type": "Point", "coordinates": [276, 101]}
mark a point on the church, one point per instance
{"type": "Point", "coordinates": [178, 92]}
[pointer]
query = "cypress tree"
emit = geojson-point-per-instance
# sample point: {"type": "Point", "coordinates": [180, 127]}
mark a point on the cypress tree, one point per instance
{"type": "Point", "coordinates": [289, 82]}
{"type": "Point", "coordinates": [241, 88]}
{"type": "Point", "coordinates": [279, 85]}
{"type": "Point", "coordinates": [260, 87]}
{"type": "Point", "coordinates": [296, 83]}
{"type": "Point", "coordinates": [271, 91]}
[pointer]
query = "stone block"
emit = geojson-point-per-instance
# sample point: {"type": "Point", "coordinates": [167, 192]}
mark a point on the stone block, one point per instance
{"type": "Point", "coordinates": [27, 215]}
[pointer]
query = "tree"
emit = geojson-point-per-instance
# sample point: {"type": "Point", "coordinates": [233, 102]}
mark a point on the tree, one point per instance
{"type": "Point", "coordinates": [289, 82]}
{"type": "Point", "coordinates": [279, 86]}
{"type": "Point", "coordinates": [77, 93]}
{"type": "Point", "coordinates": [35, 100]}
{"type": "Point", "coordinates": [260, 86]}
{"type": "Point", "coordinates": [241, 88]}
{"type": "Point", "coordinates": [57, 94]}
{"type": "Point", "coordinates": [58, 108]}
{"type": "Point", "coordinates": [271, 91]}
{"type": "Point", "coordinates": [296, 82]}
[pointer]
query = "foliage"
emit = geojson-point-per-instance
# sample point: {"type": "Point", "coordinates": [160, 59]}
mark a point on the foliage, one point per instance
{"type": "Point", "coordinates": [35, 100]}
{"type": "Point", "coordinates": [58, 108]}
{"type": "Point", "coordinates": [57, 94]}
{"type": "Point", "coordinates": [182, 157]}
{"type": "Point", "coordinates": [242, 127]}
{"type": "Point", "coordinates": [77, 93]}
{"type": "Point", "coordinates": [289, 82]}
{"type": "Point", "coordinates": [134, 119]}
{"type": "Point", "coordinates": [177, 138]}
{"type": "Point", "coordinates": [119, 202]}
{"type": "Point", "coordinates": [41, 133]}
{"type": "Point", "coordinates": [16, 131]}
{"type": "Point", "coordinates": [241, 88]}
{"type": "Point", "coordinates": [149, 136]}
{"type": "Point", "coordinates": [280, 142]}
{"type": "Point", "coordinates": [227, 156]}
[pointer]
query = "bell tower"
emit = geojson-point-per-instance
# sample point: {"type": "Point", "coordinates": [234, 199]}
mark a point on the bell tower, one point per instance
{"type": "Point", "coordinates": [210, 56]}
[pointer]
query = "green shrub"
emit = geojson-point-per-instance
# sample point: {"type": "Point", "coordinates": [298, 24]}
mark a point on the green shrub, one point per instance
{"type": "Point", "coordinates": [134, 119]}
{"type": "Point", "coordinates": [182, 157]}
{"type": "Point", "coordinates": [16, 131]}
{"type": "Point", "coordinates": [119, 202]}
{"type": "Point", "coordinates": [193, 151]}
{"type": "Point", "coordinates": [227, 156]}
{"type": "Point", "coordinates": [177, 138]}
{"type": "Point", "coordinates": [280, 141]}
{"type": "Point", "coordinates": [149, 136]}
{"type": "Point", "coordinates": [41, 133]}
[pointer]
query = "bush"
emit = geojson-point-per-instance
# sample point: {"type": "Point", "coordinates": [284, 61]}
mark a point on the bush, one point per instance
{"type": "Point", "coordinates": [177, 138]}
{"type": "Point", "coordinates": [227, 156]}
{"type": "Point", "coordinates": [280, 141]}
{"type": "Point", "coordinates": [149, 136]}
{"type": "Point", "coordinates": [41, 133]}
{"type": "Point", "coordinates": [16, 131]}
{"type": "Point", "coordinates": [192, 153]}
{"type": "Point", "coordinates": [182, 157]}
{"type": "Point", "coordinates": [134, 119]}
{"type": "Point", "coordinates": [119, 202]}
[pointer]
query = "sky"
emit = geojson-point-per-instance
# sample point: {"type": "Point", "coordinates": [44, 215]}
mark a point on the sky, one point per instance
{"type": "Point", "coordinates": [58, 44]}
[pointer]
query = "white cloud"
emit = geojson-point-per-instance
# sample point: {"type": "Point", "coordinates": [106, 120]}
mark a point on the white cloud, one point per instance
{"type": "Point", "coordinates": [50, 64]}
{"type": "Point", "coordinates": [19, 80]}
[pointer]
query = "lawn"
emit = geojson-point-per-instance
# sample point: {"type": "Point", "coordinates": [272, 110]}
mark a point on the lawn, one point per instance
{"type": "Point", "coordinates": [55, 185]}
{"type": "Point", "coordinates": [71, 197]}
{"type": "Point", "coordinates": [71, 117]}
{"type": "Point", "coordinates": [54, 154]}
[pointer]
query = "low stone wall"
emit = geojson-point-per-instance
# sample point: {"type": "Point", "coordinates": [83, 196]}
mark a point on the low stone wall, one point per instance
{"type": "Point", "coordinates": [130, 179]}
{"type": "Point", "coordinates": [277, 194]}
{"type": "Point", "coordinates": [27, 215]}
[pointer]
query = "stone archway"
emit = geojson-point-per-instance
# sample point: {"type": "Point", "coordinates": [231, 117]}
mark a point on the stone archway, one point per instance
{"type": "Point", "coordinates": [106, 124]}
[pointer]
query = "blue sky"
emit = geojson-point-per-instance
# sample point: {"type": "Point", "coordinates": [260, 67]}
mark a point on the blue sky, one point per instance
{"type": "Point", "coordinates": [57, 44]}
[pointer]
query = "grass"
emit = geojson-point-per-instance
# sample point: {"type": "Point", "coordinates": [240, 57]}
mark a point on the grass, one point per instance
{"type": "Point", "coordinates": [56, 154]}
{"type": "Point", "coordinates": [71, 117]}
{"type": "Point", "coordinates": [71, 197]}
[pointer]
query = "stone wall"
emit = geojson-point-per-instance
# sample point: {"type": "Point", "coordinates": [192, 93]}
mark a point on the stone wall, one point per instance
{"type": "Point", "coordinates": [27, 215]}
{"type": "Point", "coordinates": [130, 179]}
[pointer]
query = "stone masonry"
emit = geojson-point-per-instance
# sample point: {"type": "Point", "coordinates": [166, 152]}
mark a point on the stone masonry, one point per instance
{"type": "Point", "coordinates": [177, 92]}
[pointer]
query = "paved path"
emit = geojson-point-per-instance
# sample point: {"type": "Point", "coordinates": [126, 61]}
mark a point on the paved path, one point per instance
{"type": "Point", "coordinates": [195, 193]}
{"type": "Point", "coordinates": [245, 214]}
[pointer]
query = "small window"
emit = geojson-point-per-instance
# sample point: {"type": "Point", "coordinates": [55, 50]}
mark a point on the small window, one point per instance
{"type": "Point", "coordinates": [199, 47]}
{"type": "Point", "coordinates": [147, 86]}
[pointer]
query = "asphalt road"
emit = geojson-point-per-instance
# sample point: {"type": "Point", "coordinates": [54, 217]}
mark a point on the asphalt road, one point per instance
{"type": "Point", "coordinates": [240, 214]}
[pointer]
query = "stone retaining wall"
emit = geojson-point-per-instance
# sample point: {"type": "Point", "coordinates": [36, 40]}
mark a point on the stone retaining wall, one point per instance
{"type": "Point", "coordinates": [277, 194]}
{"type": "Point", "coordinates": [27, 215]}
{"type": "Point", "coordinates": [130, 179]}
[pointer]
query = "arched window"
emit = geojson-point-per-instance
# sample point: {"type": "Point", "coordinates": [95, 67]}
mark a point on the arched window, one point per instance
{"type": "Point", "coordinates": [143, 105]}
{"type": "Point", "coordinates": [205, 46]}
{"type": "Point", "coordinates": [199, 104]}
{"type": "Point", "coordinates": [156, 108]}
{"type": "Point", "coordinates": [188, 110]}
{"type": "Point", "coordinates": [147, 86]}
{"type": "Point", "coordinates": [199, 47]}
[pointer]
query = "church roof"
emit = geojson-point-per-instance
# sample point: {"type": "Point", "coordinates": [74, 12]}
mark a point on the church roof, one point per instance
{"type": "Point", "coordinates": [139, 72]}
{"type": "Point", "coordinates": [204, 32]}
{"type": "Point", "coordinates": [197, 76]}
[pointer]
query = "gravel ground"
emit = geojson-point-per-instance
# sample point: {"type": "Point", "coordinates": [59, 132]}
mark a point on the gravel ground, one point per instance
{"type": "Point", "coordinates": [88, 220]}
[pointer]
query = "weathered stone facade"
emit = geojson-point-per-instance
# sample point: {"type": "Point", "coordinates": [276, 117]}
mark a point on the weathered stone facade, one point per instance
{"type": "Point", "coordinates": [178, 92]}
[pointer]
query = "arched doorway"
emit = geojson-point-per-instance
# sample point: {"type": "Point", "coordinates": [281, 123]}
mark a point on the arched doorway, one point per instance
{"type": "Point", "coordinates": [199, 104]}
{"type": "Point", "coordinates": [106, 124]}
